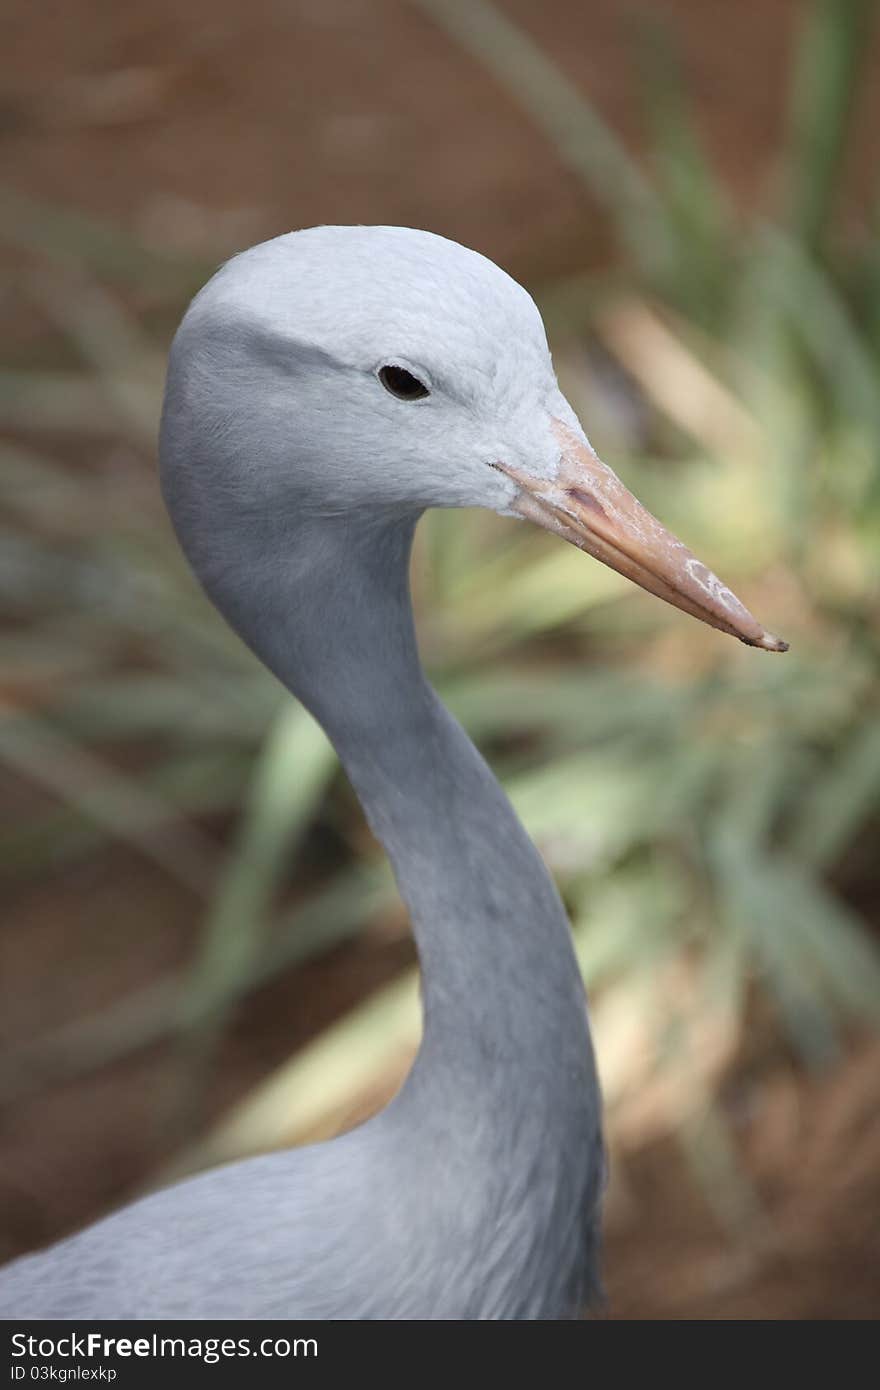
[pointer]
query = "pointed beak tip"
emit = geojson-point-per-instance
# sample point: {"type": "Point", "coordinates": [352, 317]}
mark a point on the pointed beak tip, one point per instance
{"type": "Point", "coordinates": [767, 642]}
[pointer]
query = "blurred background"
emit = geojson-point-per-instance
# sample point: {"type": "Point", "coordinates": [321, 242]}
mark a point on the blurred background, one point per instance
{"type": "Point", "coordinates": [202, 951]}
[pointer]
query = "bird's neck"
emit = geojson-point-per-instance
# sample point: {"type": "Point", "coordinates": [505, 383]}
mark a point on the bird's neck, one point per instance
{"type": "Point", "coordinates": [501, 990]}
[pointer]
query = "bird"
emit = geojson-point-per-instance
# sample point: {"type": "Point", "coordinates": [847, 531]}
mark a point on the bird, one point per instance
{"type": "Point", "coordinates": [324, 389]}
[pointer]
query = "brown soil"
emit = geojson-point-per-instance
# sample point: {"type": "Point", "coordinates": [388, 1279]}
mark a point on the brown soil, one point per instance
{"type": "Point", "coordinates": [215, 124]}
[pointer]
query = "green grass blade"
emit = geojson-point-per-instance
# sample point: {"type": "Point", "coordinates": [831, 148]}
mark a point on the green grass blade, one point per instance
{"type": "Point", "coordinates": [832, 49]}
{"type": "Point", "coordinates": [838, 802]}
{"type": "Point", "coordinates": [292, 773]}
{"type": "Point", "coordinates": [555, 105]}
{"type": "Point", "coordinates": [118, 804]}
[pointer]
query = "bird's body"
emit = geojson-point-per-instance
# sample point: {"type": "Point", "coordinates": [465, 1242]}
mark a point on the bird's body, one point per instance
{"type": "Point", "coordinates": [295, 482]}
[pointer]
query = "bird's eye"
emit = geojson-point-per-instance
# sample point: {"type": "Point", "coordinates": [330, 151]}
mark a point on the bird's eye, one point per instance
{"type": "Point", "coordinates": [402, 383]}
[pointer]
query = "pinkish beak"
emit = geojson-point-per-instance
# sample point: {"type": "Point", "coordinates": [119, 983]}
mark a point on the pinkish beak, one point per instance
{"type": "Point", "coordinates": [587, 504]}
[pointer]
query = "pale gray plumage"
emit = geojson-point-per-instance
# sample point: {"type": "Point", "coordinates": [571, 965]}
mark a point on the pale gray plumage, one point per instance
{"type": "Point", "coordinates": [295, 482]}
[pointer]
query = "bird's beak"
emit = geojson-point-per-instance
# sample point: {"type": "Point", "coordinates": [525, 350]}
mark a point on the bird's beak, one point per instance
{"type": "Point", "coordinates": [587, 504]}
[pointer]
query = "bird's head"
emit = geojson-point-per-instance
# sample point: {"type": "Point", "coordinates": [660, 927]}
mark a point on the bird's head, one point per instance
{"type": "Point", "coordinates": [369, 371]}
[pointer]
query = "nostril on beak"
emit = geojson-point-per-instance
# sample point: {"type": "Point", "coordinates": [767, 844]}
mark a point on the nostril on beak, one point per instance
{"type": "Point", "coordinates": [586, 499]}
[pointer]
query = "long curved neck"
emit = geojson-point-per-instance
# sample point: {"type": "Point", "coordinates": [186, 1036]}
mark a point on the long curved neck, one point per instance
{"type": "Point", "coordinates": [500, 980]}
